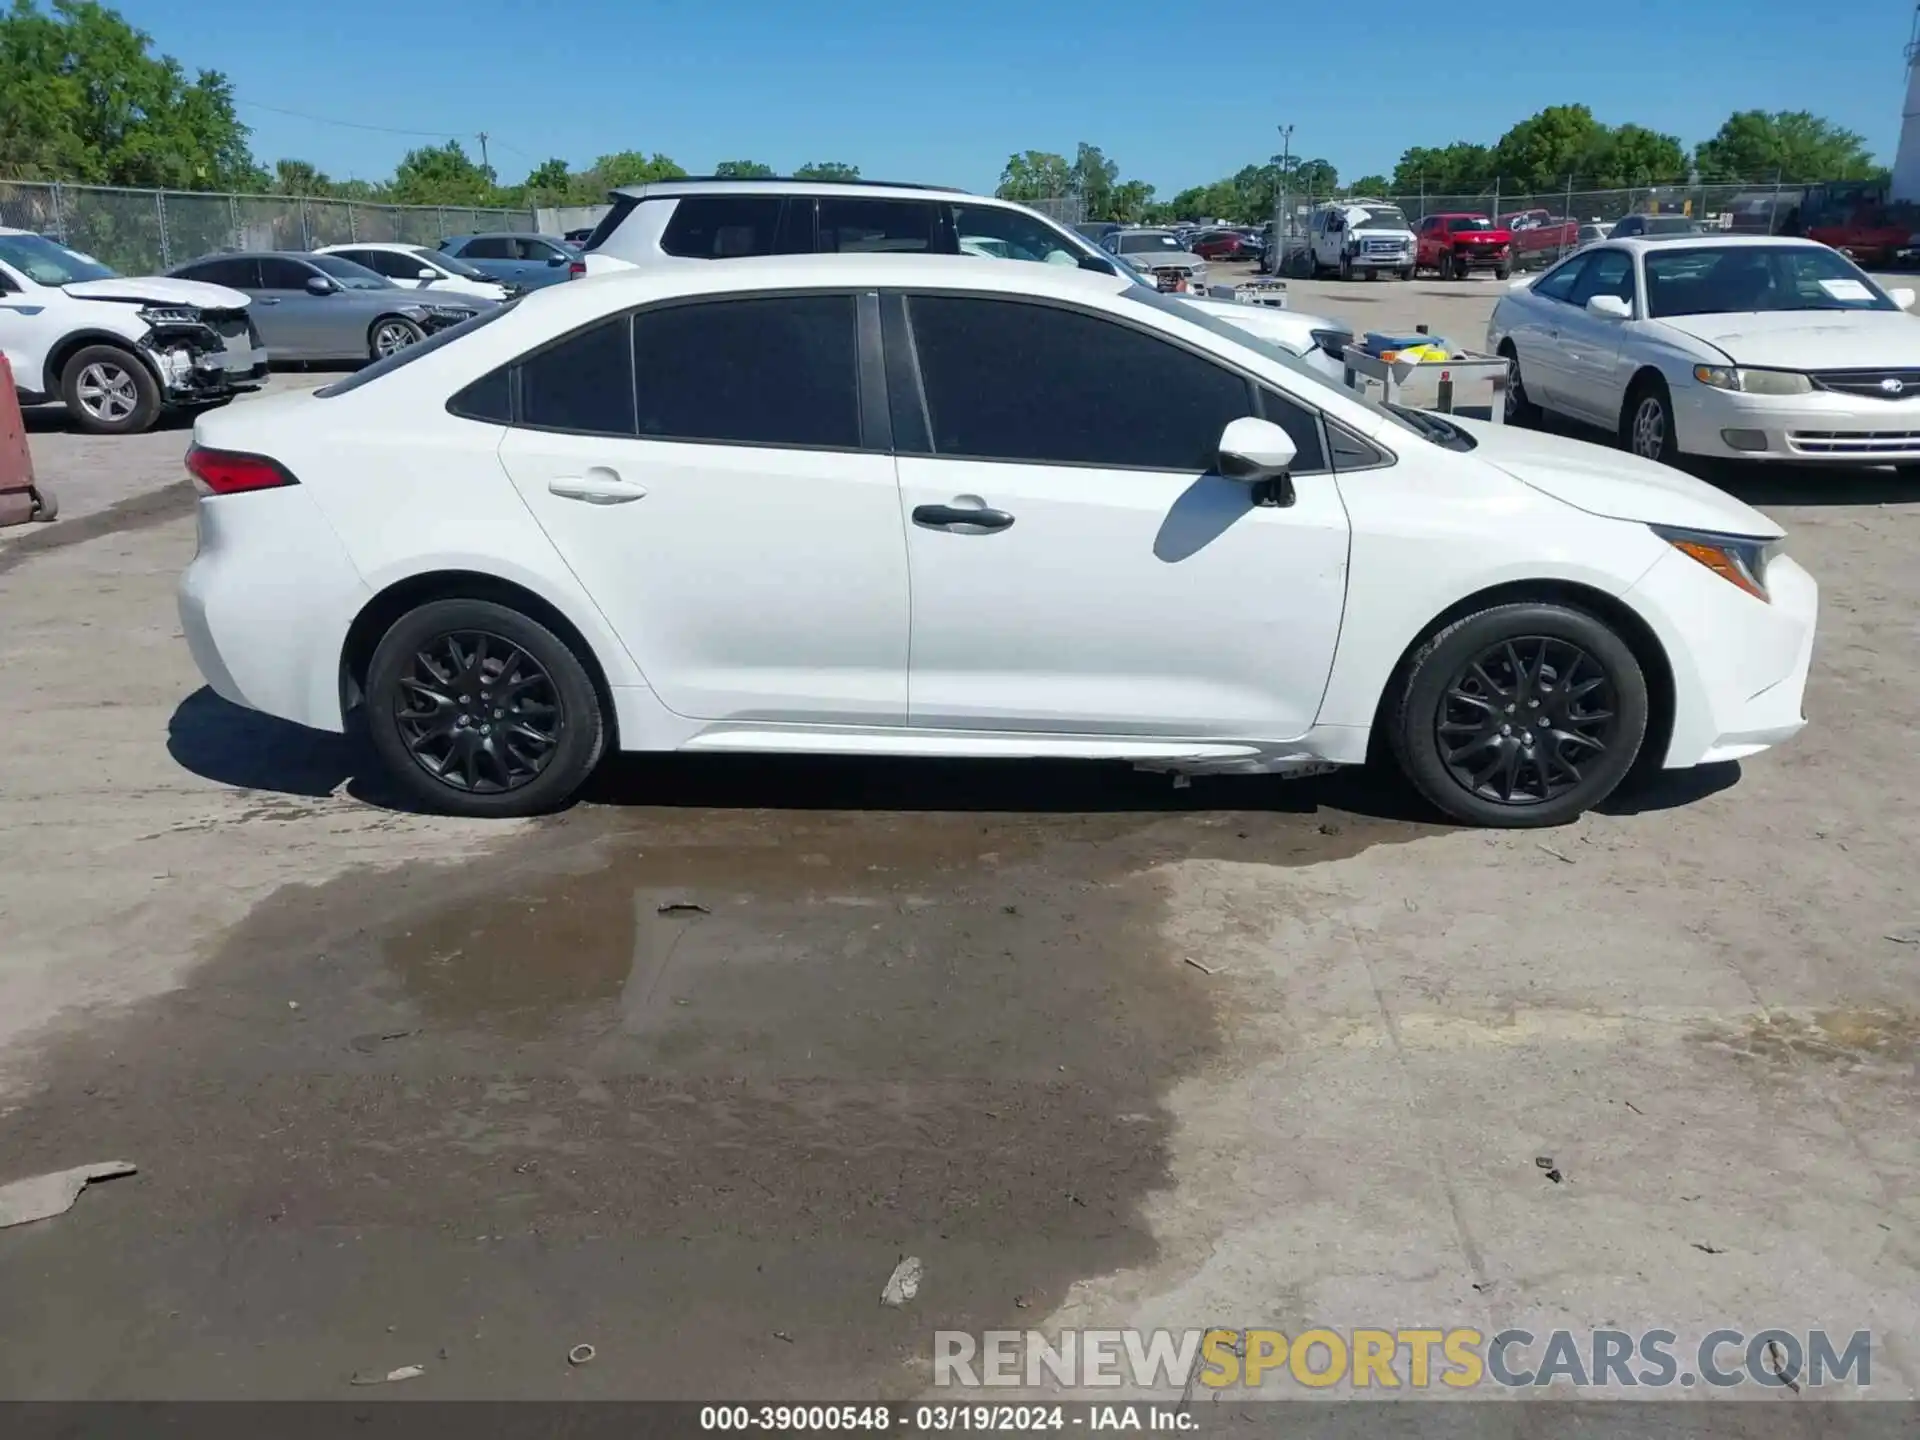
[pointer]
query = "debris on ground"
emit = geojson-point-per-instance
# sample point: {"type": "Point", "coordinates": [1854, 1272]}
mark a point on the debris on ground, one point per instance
{"type": "Point", "coordinates": [581, 1355]}
{"type": "Point", "coordinates": [681, 907]}
{"type": "Point", "coordinates": [1779, 1365]}
{"type": "Point", "coordinates": [1562, 857]}
{"type": "Point", "coordinates": [1906, 935]}
{"type": "Point", "coordinates": [405, 1372]}
{"type": "Point", "coordinates": [366, 1044]}
{"type": "Point", "coordinates": [783, 1335]}
{"type": "Point", "coordinates": [1203, 969]}
{"type": "Point", "coordinates": [1545, 1162]}
{"type": "Point", "coordinates": [1020, 1302]}
{"type": "Point", "coordinates": [904, 1283]}
{"type": "Point", "coordinates": [1708, 1249]}
{"type": "Point", "coordinates": [44, 1196]}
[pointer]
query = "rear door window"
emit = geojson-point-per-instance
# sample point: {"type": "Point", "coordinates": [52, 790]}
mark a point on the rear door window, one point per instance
{"type": "Point", "coordinates": [488, 247]}
{"type": "Point", "coordinates": [238, 272]}
{"type": "Point", "coordinates": [278, 273]}
{"type": "Point", "coordinates": [720, 227]}
{"type": "Point", "coordinates": [583, 384]}
{"type": "Point", "coordinates": [779, 370]}
{"type": "Point", "coordinates": [884, 226]}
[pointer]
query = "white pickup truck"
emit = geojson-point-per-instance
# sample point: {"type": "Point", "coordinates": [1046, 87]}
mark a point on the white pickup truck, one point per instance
{"type": "Point", "coordinates": [119, 351]}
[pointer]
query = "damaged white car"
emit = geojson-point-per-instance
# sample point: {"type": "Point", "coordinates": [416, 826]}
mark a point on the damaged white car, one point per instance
{"type": "Point", "coordinates": [117, 351]}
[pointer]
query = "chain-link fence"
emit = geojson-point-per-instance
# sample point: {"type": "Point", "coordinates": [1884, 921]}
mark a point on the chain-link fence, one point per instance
{"type": "Point", "coordinates": [1762, 209]}
{"type": "Point", "coordinates": [143, 231]}
{"type": "Point", "coordinates": [1063, 209]}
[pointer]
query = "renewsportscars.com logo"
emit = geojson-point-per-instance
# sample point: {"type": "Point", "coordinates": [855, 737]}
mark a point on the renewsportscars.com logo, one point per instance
{"type": "Point", "coordinates": [1416, 1359]}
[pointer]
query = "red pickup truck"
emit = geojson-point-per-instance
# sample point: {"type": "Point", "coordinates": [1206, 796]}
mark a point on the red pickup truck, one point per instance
{"type": "Point", "coordinates": [1540, 237]}
{"type": "Point", "coordinates": [1457, 245]}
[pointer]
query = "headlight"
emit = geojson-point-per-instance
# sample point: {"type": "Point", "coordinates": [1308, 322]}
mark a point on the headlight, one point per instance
{"type": "Point", "coordinates": [170, 315]}
{"type": "Point", "coordinates": [449, 312]}
{"type": "Point", "coordinates": [1753, 382]}
{"type": "Point", "coordinates": [1738, 559]}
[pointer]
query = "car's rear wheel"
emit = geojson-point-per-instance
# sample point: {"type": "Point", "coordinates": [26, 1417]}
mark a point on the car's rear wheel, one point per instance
{"type": "Point", "coordinates": [1520, 715]}
{"type": "Point", "coordinates": [1446, 265]}
{"type": "Point", "coordinates": [1520, 408]}
{"type": "Point", "coordinates": [391, 334]}
{"type": "Point", "coordinates": [476, 709]}
{"type": "Point", "coordinates": [1646, 421]}
{"type": "Point", "coordinates": [109, 392]}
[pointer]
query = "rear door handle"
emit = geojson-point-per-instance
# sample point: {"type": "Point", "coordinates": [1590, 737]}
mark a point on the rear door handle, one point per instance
{"type": "Point", "coordinates": [599, 486]}
{"type": "Point", "coordinates": [954, 517]}
{"type": "Point", "coordinates": [267, 300]}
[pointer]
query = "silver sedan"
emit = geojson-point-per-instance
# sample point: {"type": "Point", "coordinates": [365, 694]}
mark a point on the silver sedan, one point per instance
{"type": "Point", "coordinates": [323, 307]}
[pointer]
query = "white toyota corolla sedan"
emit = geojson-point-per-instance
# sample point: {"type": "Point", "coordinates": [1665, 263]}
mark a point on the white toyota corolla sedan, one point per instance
{"type": "Point", "coordinates": [915, 506]}
{"type": "Point", "coordinates": [1741, 347]}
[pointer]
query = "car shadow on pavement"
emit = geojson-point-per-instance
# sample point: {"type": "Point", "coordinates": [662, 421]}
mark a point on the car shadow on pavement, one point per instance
{"type": "Point", "coordinates": [225, 743]}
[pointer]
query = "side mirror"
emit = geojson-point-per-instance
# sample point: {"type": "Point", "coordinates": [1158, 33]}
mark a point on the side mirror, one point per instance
{"type": "Point", "coordinates": [319, 285]}
{"type": "Point", "coordinates": [557, 260]}
{"type": "Point", "coordinates": [1903, 297]}
{"type": "Point", "coordinates": [1609, 307]}
{"type": "Point", "coordinates": [1097, 265]}
{"type": "Point", "coordinates": [425, 274]}
{"type": "Point", "coordinates": [1258, 453]}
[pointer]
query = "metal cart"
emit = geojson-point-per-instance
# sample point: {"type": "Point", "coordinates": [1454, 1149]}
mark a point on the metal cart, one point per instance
{"type": "Point", "coordinates": [1473, 386]}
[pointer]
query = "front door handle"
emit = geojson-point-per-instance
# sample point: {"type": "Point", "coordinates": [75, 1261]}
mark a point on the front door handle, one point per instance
{"type": "Point", "coordinates": [266, 300]}
{"type": "Point", "coordinates": [599, 486]}
{"type": "Point", "coordinates": [960, 517]}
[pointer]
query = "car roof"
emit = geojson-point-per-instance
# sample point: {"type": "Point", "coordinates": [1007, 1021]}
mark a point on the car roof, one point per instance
{"type": "Point", "coordinates": [372, 245]}
{"type": "Point", "coordinates": [747, 185]}
{"type": "Point", "coordinates": [844, 270]}
{"type": "Point", "coordinates": [1713, 239]}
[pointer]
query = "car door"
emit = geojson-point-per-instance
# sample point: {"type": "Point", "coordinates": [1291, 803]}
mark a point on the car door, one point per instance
{"type": "Point", "coordinates": [1113, 585]}
{"type": "Point", "coordinates": [723, 494]}
{"type": "Point", "coordinates": [533, 261]}
{"type": "Point", "coordinates": [1535, 316]}
{"type": "Point", "coordinates": [310, 326]}
{"type": "Point", "coordinates": [1590, 344]}
{"type": "Point", "coordinates": [493, 254]}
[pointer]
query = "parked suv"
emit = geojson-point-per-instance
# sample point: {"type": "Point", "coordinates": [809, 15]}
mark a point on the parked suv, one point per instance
{"type": "Point", "coordinates": [119, 350]}
{"type": "Point", "coordinates": [531, 262]}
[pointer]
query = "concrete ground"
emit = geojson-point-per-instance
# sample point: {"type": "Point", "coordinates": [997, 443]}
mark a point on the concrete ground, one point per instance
{"type": "Point", "coordinates": [684, 1072]}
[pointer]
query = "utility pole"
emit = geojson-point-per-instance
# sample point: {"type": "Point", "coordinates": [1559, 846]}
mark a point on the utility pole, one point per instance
{"type": "Point", "coordinates": [1285, 228]}
{"type": "Point", "coordinates": [485, 164]}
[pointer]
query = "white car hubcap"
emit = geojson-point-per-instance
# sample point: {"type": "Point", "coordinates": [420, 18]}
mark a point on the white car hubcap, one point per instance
{"type": "Point", "coordinates": [107, 392]}
{"type": "Point", "coordinates": [1649, 429]}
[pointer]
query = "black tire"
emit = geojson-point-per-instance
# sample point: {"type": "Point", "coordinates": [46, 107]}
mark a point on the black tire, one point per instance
{"type": "Point", "coordinates": [1520, 407]}
{"type": "Point", "coordinates": [391, 334]}
{"type": "Point", "coordinates": [110, 391]}
{"type": "Point", "coordinates": [1346, 267]}
{"type": "Point", "coordinates": [1446, 265]}
{"type": "Point", "coordinates": [1531, 658]}
{"type": "Point", "coordinates": [1503, 272]}
{"type": "Point", "coordinates": [1646, 421]}
{"type": "Point", "coordinates": [1407, 274]}
{"type": "Point", "coordinates": [434, 753]}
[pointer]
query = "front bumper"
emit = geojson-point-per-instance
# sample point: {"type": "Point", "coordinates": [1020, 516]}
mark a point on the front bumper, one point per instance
{"type": "Point", "coordinates": [197, 365]}
{"type": "Point", "coordinates": [1821, 428]}
{"type": "Point", "coordinates": [1739, 664]}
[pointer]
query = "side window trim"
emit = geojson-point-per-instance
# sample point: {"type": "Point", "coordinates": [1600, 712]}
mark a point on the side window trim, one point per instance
{"type": "Point", "coordinates": [1260, 394]}
{"type": "Point", "coordinates": [906, 390]}
{"type": "Point", "coordinates": [876, 418]}
{"type": "Point", "coordinates": [906, 372]}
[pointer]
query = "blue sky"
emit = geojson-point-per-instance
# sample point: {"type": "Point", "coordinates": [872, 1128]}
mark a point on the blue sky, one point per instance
{"type": "Point", "coordinates": [943, 90]}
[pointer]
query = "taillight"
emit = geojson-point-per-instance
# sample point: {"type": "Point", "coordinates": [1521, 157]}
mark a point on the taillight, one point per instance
{"type": "Point", "coordinates": [577, 267]}
{"type": "Point", "coordinates": [232, 472]}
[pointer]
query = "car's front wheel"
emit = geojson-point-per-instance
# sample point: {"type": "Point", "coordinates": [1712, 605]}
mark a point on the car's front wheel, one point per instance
{"type": "Point", "coordinates": [1520, 407]}
{"type": "Point", "coordinates": [390, 335]}
{"type": "Point", "coordinates": [109, 392]}
{"type": "Point", "coordinates": [1523, 714]}
{"type": "Point", "coordinates": [1646, 421]}
{"type": "Point", "coordinates": [477, 709]}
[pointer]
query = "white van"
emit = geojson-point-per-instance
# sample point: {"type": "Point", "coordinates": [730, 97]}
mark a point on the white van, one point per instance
{"type": "Point", "coordinates": [1360, 237]}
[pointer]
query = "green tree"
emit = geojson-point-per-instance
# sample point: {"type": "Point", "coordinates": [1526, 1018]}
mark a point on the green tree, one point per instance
{"type": "Point", "coordinates": [442, 175]}
{"type": "Point", "coordinates": [549, 181]}
{"type": "Point", "coordinates": [1374, 186]}
{"type": "Point", "coordinates": [298, 177]}
{"type": "Point", "coordinates": [1541, 151]}
{"type": "Point", "coordinates": [1457, 169]}
{"type": "Point", "coordinates": [1635, 155]}
{"type": "Point", "coordinates": [83, 97]}
{"type": "Point", "coordinates": [1130, 202]}
{"type": "Point", "coordinates": [743, 170]}
{"type": "Point", "coordinates": [632, 167]}
{"type": "Point", "coordinates": [827, 170]}
{"type": "Point", "coordinates": [1312, 177]}
{"type": "Point", "coordinates": [1035, 175]}
{"type": "Point", "coordinates": [1793, 144]}
{"type": "Point", "coordinates": [1093, 178]}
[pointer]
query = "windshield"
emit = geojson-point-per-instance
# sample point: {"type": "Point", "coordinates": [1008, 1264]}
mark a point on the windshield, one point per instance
{"type": "Point", "coordinates": [1469, 222]}
{"type": "Point", "coordinates": [1383, 217]}
{"type": "Point", "coordinates": [450, 263]}
{"type": "Point", "coordinates": [1741, 279]}
{"type": "Point", "coordinates": [350, 273]}
{"type": "Point", "coordinates": [48, 262]}
{"type": "Point", "coordinates": [1141, 241]}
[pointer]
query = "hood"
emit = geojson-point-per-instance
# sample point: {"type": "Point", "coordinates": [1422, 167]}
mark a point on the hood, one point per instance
{"type": "Point", "coordinates": [159, 290]}
{"type": "Point", "coordinates": [1810, 339]}
{"type": "Point", "coordinates": [1152, 259]}
{"type": "Point", "coordinates": [1613, 483]}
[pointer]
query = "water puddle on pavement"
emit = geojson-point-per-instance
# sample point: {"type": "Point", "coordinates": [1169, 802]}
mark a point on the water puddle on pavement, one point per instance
{"type": "Point", "coordinates": [685, 1083]}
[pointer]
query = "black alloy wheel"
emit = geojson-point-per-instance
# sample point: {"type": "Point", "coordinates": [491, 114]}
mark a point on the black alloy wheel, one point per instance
{"type": "Point", "coordinates": [477, 709]}
{"type": "Point", "coordinates": [1522, 714]}
{"type": "Point", "coordinates": [1524, 718]}
{"type": "Point", "coordinates": [478, 713]}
